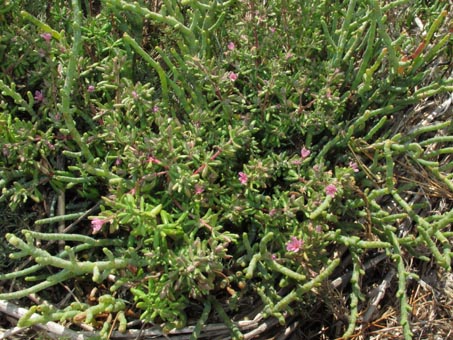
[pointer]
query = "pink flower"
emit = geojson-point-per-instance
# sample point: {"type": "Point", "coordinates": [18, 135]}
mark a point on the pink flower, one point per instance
{"type": "Point", "coordinates": [231, 46]}
{"type": "Point", "coordinates": [354, 166]}
{"type": "Point", "coordinates": [294, 245]}
{"type": "Point", "coordinates": [97, 224]}
{"type": "Point", "coordinates": [90, 88]}
{"type": "Point", "coordinates": [39, 97]}
{"type": "Point", "coordinates": [272, 29]}
{"type": "Point", "coordinates": [243, 178]}
{"type": "Point", "coordinates": [155, 108]}
{"type": "Point", "coordinates": [198, 189]}
{"type": "Point", "coordinates": [305, 152]}
{"type": "Point", "coordinates": [152, 159]}
{"type": "Point", "coordinates": [46, 36]}
{"type": "Point", "coordinates": [331, 190]}
{"type": "Point", "coordinates": [233, 76]}
{"type": "Point", "coordinates": [134, 95]}
{"type": "Point", "coordinates": [289, 55]}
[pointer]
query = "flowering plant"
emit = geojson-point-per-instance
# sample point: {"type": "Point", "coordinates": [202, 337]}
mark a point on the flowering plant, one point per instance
{"type": "Point", "coordinates": [215, 154]}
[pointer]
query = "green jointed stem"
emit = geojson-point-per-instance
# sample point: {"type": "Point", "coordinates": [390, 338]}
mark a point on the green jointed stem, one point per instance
{"type": "Point", "coordinates": [42, 26]}
{"type": "Point", "coordinates": [61, 236]}
{"type": "Point", "coordinates": [356, 242]}
{"type": "Point", "coordinates": [155, 65]}
{"type": "Point", "coordinates": [264, 241]}
{"type": "Point", "coordinates": [54, 219]}
{"type": "Point", "coordinates": [356, 42]}
{"type": "Point", "coordinates": [42, 257]}
{"type": "Point", "coordinates": [301, 290]}
{"type": "Point", "coordinates": [431, 90]}
{"type": "Point", "coordinates": [389, 165]}
{"type": "Point", "coordinates": [442, 178]}
{"type": "Point", "coordinates": [369, 51]}
{"type": "Point", "coordinates": [355, 295]}
{"type": "Point", "coordinates": [437, 139]}
{"type": "Point", "coordinates": [20, 273]}
{"type": "Point", "coordinates": [252, 265]}
{"type": "Point", "coordinates": [433, 51]}
{"type": "Point", "coordinates": [201, 321]}
{"type": "Point", "coordinates": [51, 281]}
{"type": "Point", "coordinates": [178, 90]}
{"type": "Point", "coordinates": [435, 26]}
{"type": "Point", "coordinates": [405, 308]}
{"type": "Point", "coordinates": [327, 34]}
{"type": "Point", "coordinates": [368, 75]}
{"type": "Point", "coordinates": [345, 31]}
{"type": "Point", "coordinates": [286, 271]}
{"type": "Point", "coordinates": [188, 35]}
{"type": "Point", "coordinates": [235, 331]}
{"type": "Point", "coordinates": [441, 260]}
{"type": "Point", "coordinates": [378, 17]}
{"type": "Point", "coordinates": [322, 207]}
{"type": "Point", "coordinates": [429, 128]}
{"type": "Point", "coordinates": [66, 92]}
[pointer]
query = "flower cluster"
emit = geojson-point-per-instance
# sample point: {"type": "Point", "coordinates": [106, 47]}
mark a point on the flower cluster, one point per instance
{"type": "Point", "coordinates": [294, 244]}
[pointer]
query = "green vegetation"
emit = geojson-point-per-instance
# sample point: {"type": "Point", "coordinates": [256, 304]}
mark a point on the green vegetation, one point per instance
{"type": "Point", "coordinates": [185, 158]}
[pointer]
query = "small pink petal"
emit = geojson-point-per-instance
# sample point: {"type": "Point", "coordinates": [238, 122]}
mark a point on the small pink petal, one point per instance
{"type": "Point", "coordinates": [294, 244]}
{"type": "Point", "coordinates": [331, 190]}
{"type": "Point", "coordinates": [39, 97]}
{"type": "Point", "coordinates": [233, 76]}
{"type": "Point", "coordinates": [97, 224]}
{"type": "Point", "coordinates": [198, 189]}
{"type": "Point", "coordinates": [305, 152]}
{"type": "Point", "coordinates": [354, 166]}
{"type": "Point", "coordinates": [46, 36]}
{"type": "Point", "coordinates": [243, 178]}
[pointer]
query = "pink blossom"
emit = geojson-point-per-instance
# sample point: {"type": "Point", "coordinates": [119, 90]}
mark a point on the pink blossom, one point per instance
{"type": "Point", "coordinates": [272, 29]}
{"type": "Point", "coordinates": [39, 97]}
{"type": "Point", "coordinates": [231, 46]}
{"type": "Point", "coordinates": [354, 166]}
{"type": "Point", "coordinates": [97, 224]}
{"type": "Point", "coordinates": [90, 88]}
{"type": "Point", "coordinates": [331, 190]}
{"type": "Point", "coordinates": [294, 245]}
{"type": "Point", "coordinates": [243, 178]}
{"type": "Point", "coordinates": [155, 108]}
{"type": "Point", "coordinates": [305, 152]}
{"type": "Point", "coordinates": [198, 189]}
{"type": "Point", "coordinates": [233, 76]}
{"type": "Point", "coordinates": [134, 95]}
{"type": "Point", "coordinates": [46, 36]}
{"type": "Point", "coordinates": [289, 55]}
{"type": "Point", "coordinates": [152, 159]}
